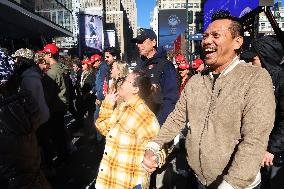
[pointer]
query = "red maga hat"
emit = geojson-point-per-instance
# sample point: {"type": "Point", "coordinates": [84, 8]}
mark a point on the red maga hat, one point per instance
{"type": "Point", "coordinates": [92, 59]}
{"type": "Point", "coordinates": [196, 63]}
{"type": "Point", "coordinates": [50, 48]}
{"type": "Point", "coordinates": [180, 58]}
{"type": "Point", "coordinates": [183, 66]}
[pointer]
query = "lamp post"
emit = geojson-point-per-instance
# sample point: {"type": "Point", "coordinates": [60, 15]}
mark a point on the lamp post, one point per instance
{"type": "Point", "coordinates": [187, 33]}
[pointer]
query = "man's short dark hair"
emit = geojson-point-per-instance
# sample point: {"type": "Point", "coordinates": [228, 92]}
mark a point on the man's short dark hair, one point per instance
{"type": "Point", "coordinates": [113, 51]}
{"type": "Point", "coordinates": [236, 27]}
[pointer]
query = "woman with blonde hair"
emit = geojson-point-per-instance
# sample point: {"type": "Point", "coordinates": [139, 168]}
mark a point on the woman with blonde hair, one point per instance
{"type": "Point", "coordinates": [118, 72]}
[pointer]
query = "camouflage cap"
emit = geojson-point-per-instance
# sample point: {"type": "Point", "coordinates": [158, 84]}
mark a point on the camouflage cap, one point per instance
{"type": "Point", "coordinates": [25, 53]}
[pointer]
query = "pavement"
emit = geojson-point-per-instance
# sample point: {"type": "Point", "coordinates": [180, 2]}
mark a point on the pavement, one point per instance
{"type": "Point", "coordinates": [80, 170]}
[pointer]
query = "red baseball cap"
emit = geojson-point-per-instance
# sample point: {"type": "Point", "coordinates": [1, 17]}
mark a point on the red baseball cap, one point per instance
{"type": "Point", "coordinates": [92, 59]}
{"type": "Point", "coordinates": [180, 58]}
{"type": "Point", "coordinates": [50, 48]}
{"type": "Point", "coordinates": [196, 63]}
{"type": "Point", "coordinates": [183, 66]}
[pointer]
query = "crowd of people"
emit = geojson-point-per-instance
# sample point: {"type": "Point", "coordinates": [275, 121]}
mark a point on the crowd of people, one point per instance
{"type": "Point", "coordinates": [215, 123]}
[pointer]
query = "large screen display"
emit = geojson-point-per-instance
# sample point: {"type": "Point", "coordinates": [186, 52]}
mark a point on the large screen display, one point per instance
{"type": "Point", "coordinates": [237, 8]}
{"type": "Point", "coordinates": [172, 22]}
{"type": "Point", "coordinates": [91, 31]}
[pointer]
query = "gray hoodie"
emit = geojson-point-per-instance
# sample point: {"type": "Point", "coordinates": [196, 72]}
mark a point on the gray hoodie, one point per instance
{"type": "Point", "coordinates": [31, 80]}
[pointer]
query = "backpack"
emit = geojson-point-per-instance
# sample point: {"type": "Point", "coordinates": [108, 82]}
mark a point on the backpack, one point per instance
{"type": "Point", "coordinates": [15, 115]}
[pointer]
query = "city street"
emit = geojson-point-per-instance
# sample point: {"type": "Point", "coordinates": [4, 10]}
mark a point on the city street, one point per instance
{"type": "Point", "coordinates": [81, 169]}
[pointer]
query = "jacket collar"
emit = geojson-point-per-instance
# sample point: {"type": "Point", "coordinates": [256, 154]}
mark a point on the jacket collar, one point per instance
{"type": "Point", "coordinates": [133, 102]}
{"type": "Point", "coordinates": [230, 67]}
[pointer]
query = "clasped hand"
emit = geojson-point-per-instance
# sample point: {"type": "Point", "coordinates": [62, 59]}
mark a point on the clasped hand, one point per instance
{"type": "Point", "coordinates": [149, 161]}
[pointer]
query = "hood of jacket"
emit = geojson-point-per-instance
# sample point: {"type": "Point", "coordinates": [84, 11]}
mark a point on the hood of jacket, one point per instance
{"type": "Point", "coordinates": [32, 72]}
{"type": "Point", "coordinates": [270, 52]}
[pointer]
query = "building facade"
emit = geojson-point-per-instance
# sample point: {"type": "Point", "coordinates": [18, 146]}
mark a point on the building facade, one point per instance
{"type": "Point", "coordinates": [28, 27]}
{"type": "Point", "coordinates": [120, 16]}
{"type": "Point", "coordinates": [265, 26]}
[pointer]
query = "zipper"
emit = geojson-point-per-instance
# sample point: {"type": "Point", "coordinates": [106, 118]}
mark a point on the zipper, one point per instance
{"type": "Point", "coordinates": [205, 126]}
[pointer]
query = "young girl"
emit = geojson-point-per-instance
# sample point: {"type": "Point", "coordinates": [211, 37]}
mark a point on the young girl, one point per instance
{"type": "Point", "coordinates": [127, 128]}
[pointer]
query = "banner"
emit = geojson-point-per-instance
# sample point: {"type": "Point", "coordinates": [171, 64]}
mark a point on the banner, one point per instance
{"type": "Point", "coordinates": [237, 8]}
{"type": "Point", "coordinates": [172, 22]}
{"type": "Point", "coordinates": [109, 38]}
{"type": "Point", "coordinates": [91, 31]}
{"type": "Point", "coordinates": [177, 45]}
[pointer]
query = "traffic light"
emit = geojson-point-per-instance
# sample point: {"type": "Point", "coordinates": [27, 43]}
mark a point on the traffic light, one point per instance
{"type": "Point", "coordinates": [190, 16]}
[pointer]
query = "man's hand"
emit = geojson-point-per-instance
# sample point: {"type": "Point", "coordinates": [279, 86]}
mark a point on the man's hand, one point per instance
{"type": "Point", "coordinates": [149, 161]}
{"type": "Point", "coordinates": [267, 159]}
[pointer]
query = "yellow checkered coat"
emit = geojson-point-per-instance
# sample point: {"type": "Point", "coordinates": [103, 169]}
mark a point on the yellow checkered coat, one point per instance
{"type": "Point", "coordinates": [128, 128]}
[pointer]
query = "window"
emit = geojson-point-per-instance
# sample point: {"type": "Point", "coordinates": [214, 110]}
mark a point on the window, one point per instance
{"type": "Point", "coordinates": [196, 5]}
{"type": "Point", "coordinates": [177, 5]}
{"type": "Point", "coordinates": [53, 16]}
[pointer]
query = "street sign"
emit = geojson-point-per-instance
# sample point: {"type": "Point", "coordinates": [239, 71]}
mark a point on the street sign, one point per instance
{"type": "Point", "coordinates": [196, 37]}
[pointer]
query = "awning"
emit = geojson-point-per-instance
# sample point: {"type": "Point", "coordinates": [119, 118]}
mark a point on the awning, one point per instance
{"type": "Point", "coordinates": [17, 22]}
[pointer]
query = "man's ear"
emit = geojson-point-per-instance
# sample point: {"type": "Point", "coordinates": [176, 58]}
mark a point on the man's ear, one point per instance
{"type": "Point", "coordinates": [238, 42]}
{"type": "Point", "coordinates": [154, 42]}
{"type": "Point", "coordinates": [49, 55]}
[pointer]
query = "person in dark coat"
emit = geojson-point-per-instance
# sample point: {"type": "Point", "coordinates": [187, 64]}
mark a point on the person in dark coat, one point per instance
{"type": "Point", "coordinates": [163, 74]}
{"type": "Point", "coordinates": [161, 71]}
{"type": "Point", "coordinates": [268, 53]}
{"type": "Point", "coordinates": [20, 117]}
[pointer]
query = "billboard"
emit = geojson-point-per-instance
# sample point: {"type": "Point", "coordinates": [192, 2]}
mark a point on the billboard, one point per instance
{"type": "Point", "coordinates": [237, 8]}
{"type": "Point", "coordinates": [172, 22]}
{"type": "Point", "coordinates": [109, 39]}
{"type": "Point", "coordinates": [91, 31]}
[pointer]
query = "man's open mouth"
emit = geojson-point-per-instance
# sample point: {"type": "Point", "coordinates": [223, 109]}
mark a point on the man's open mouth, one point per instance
{"type": "Point", "coordinates": [209, 51]}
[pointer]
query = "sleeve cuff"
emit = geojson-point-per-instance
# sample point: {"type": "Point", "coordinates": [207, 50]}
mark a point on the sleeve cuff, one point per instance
{"type": "Point", "coordinates": [225, 185]}
{"type": "Point", "coordinates": [153, 146]}
{"type": "Point", "coordinates": [108, 104]}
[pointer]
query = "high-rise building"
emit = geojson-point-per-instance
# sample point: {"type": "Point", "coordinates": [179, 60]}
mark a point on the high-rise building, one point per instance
{"type": "Point", "coordinates": [131, 11]}
{"type": "Point", "coordinates": [121, 14]}
{"type": "Point", "coordinates": [24, 26]}
{"type": "Point", "coordinates": [60, 12]}
{"type": "Point", "coordinates": [264, 24]}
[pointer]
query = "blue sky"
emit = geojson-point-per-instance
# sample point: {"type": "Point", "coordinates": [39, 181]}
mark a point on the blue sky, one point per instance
{"type": "Point", "coordinates": [144, 9]}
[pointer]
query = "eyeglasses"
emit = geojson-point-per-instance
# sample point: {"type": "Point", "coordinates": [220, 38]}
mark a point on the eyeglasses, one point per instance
{"type": "Point", "coordinates": [123, 80]}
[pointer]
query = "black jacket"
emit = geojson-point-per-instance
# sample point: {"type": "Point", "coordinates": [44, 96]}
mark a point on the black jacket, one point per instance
{"type": "Point", "coordinates": [163, 74]}
{"type": "Point", "coordinates": [19, 152]}
{"type": "Point", "coordinates": [271, 53]}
